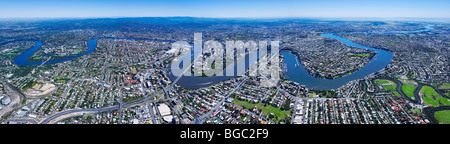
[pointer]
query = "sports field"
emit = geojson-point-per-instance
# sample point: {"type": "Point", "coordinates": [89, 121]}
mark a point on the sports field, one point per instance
{"type": "Point", "coordinates": [443, 116]}
{"type": "Point", "coordinates": [389, 85]}
{"type": "Point", "coordinates": [408, 90]}
{"type": "Point", "coordinates": [432, 97]}
{"type": "Point", "coordinates": [267, 110]}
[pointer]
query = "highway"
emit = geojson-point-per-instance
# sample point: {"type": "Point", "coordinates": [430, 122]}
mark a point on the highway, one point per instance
{"type": "Point", "coordinates": [30, 120]}
{"type": "Point", "coordinates": [70, 113]}
{"type": "Point", "coordinates": [16, 98]}
{"type": "Point", "coordinates": [78, 112]}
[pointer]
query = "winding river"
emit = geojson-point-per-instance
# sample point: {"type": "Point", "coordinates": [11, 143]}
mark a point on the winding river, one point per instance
{"type": "Point", "coordinates": [92, 44]}
{"type": "Point", "coordinates": [293, 70]}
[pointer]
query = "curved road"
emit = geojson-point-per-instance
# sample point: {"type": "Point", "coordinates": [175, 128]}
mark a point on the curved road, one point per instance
{"type": "Point", "coordinates": [16, 99]}
{"type": "Point", "coordinates": [76, 112]}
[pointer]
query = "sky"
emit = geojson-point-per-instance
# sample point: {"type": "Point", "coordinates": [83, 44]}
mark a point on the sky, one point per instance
{"type": "Point", "coordinates": [225, 8]}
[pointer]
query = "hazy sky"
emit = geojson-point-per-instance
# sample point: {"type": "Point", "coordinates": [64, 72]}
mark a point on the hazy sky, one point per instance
{"type": "Point", "coordinates": [225, 8]}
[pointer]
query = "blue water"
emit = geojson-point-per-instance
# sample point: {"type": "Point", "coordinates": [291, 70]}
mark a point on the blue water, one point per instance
{"type": "Point", "coordinates": [22, 58]}
{"type": "Point", "coordinates": [92, 44]}
{"type": "Point", "coordinates": [295, 71]}
{"type": "Point", "coordinates": [192, 82]}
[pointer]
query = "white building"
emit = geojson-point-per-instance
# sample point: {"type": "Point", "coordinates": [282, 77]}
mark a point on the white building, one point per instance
{"type": "Point", "coordinates": [164, 110]}
{"type": "Point", "coordinates": [6, 100]}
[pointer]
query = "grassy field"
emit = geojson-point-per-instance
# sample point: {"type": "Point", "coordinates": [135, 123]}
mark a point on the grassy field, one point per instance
{"type": "Point", "coordinates": [363, 55]}
{"type": "Point", "coordinates": [444, 101]}
{"type": "Point", "coordinates": [264, 109]}
{"type": "Point", "coordinates": [389, 85]}
{"type": "Point", "coordinates": [396, 94]}
{"type": "Point", "coordinates": [244, 104]}
{"type": "Point", "coordinates": [311, 95]}
{"type": "Point", "coordinates": [428, 91]}
{"type": "Point", "coordinates": [445, 86]}
{"type": "Point", "coordinates": [408, 90]}
{"type": "Point", "coordinates": [431, 101]}
{"type": "Point", "coordinates": [359, 54]}
{"type": "Point", "coordinates": [75, 52]}
{"type": "Point", "coordinates": [443, 116]}
{"type": "Point", "coordinates": [381, 82]}
{"type": "Point", "coordinates": [276, 111]}
{"type": "Point", "coordinates": [416, 110]}
{"type": "Point", "coordinates": [432, 97]}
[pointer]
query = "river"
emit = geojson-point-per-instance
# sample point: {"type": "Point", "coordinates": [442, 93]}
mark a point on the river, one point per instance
{"type": "Point", "coordinates": [294, 71]}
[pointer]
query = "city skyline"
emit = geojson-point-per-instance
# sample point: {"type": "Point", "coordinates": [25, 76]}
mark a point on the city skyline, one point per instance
{"type": "Point", "coordinates": [226, 9]}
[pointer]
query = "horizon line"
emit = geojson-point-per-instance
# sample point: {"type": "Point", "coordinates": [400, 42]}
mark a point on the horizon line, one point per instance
{"type": "Point", "coordinates": [299, 17]}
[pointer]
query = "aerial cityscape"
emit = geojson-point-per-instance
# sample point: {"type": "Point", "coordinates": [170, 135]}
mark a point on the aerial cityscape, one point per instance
{"type": "Point", "coordinates": [202, 69]}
